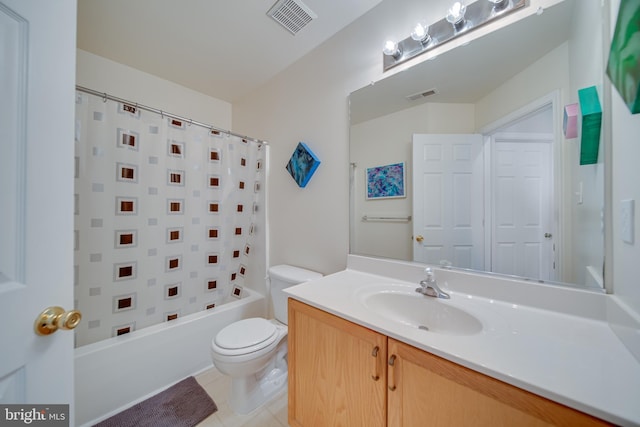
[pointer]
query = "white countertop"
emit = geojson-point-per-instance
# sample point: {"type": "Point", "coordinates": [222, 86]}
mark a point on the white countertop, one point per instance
{"type": "Point", "coordinates": [573, 359]}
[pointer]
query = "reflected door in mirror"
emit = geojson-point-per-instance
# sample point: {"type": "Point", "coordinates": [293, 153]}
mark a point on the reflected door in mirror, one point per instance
{"type": "Point", "coordinates": [448, 199]}
{"type": "Point", "coordinates": [522, 203]}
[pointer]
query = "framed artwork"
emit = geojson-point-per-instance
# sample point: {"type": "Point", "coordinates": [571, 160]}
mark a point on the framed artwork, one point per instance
{"type": "Point", "coordinates": [386, 182]}
{"type": "Point", "coordinates": [623, 67]}
{"type": "Point", "coordinates": [302, 164]}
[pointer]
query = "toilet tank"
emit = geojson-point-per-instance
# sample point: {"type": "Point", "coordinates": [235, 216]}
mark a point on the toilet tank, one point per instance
{"type": "Point", "coordinates": [283, 276]}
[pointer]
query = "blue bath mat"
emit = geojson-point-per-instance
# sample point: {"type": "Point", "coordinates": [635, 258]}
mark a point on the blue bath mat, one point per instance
{"type": "Point", "coordinates": [184, 404]}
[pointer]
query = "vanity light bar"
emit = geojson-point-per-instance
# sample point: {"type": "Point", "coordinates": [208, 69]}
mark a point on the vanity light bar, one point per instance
{"type": "Point", "coordinates": [473, 16]}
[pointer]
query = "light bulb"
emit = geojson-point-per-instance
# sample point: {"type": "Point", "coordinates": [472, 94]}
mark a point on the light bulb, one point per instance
{"type": "Point", "coordinates": [391, 48]}
{"type": "Point", "coordinates": [456, 12]}
{"type": "Point", "coordinates": [420, 33]}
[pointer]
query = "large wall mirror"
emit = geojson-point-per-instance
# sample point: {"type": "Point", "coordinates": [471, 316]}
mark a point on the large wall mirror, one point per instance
{"type": "Point", "coordinates": [491, 183]}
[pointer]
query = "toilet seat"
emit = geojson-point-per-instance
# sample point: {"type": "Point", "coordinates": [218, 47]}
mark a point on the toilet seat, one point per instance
{"type": "Point", "coordinates": [245, 336]}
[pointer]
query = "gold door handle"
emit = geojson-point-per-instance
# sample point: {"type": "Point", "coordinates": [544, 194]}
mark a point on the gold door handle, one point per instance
{"type": "Point", "coordinates": [391, 373]}
{"type": "Point", "coordinates": [54, 318]}
{"type": "Point", "coordinates": [374, 353]}
{"type": "Point", "coordinates": [419, 238]}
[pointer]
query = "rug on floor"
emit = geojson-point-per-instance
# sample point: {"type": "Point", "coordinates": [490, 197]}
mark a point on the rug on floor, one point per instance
{"type": "Point", "coordinates": [184, 404]}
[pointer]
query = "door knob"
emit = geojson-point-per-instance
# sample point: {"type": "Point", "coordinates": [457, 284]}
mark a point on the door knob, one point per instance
{"type": "Point", "coordinates": [548, 235]}
{"type": "Point", "coordinates": [54, 318]}
{"type": "Point", "coordinates": [419, 238]}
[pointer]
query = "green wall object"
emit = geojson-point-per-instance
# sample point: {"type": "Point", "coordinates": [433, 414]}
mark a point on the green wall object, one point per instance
{"type": "Point", "coordinates": [623, 67]}
{"type": "Point", "coordinates": [591, 124]}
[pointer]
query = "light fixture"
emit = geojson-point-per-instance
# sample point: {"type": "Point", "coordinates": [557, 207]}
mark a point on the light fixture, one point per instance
{"type": "Point", "coordinates": [460, 19]}
{"type": "Point", "coordinates": [392, 49]}
{"type": "Point", "coordinates": [455, 15]}
{"type": "Point", "coordinates": [420, 33]}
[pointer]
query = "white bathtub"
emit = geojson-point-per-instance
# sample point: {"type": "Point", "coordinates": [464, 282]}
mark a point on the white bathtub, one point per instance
{"type": "Point", "coordinates": [112, 374]}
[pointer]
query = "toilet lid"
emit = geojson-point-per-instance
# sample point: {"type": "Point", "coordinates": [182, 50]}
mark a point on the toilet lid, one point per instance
{"type": "Point", "coordinates": [247, 334]}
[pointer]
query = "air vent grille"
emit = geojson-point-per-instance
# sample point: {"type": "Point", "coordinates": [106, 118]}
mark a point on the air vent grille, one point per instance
{"type": "Point", "coordinates": [422, 94]}
{"type": "Point", "coordinates": [293, 15]}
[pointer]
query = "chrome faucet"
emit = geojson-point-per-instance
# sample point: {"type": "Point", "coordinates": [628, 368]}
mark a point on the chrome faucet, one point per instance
{"type": "Point", "coordinates": [429, 287]}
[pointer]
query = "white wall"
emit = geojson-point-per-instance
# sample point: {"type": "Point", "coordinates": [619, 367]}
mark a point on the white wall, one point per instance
{"type": "Point", "coordinates": [586, 71]}
{"type": "Point", "coordinates": [308, 226]}
{"type": "Point", "coordinates": [104, 75]}
{"type": "Point", "coordinates": [547, 74]}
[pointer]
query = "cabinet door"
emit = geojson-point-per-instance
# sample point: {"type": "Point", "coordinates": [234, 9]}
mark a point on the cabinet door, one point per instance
{"type": "Point", "coordinates": [337, 371]}
{"type": "Point", "coordinates": [427, 390]}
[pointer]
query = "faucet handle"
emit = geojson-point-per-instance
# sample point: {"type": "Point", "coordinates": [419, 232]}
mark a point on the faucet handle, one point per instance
{"type": "Point", "coordinates": [429, 273]}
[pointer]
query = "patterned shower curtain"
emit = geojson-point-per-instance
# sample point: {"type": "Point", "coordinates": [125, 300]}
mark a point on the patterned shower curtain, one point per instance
{"type": "Point", "coordinates": [166, 213]}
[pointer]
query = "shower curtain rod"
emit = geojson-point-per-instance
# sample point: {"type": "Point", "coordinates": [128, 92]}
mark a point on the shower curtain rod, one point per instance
{"type": "Point", "coordinates": [106, 96]}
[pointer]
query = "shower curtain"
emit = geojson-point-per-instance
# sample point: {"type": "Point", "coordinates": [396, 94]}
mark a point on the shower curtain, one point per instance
{"type": "Point", "coordinates": [166, 213]}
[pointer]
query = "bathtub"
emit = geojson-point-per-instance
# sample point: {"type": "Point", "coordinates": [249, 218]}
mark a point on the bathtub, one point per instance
{"type": "Point", "coordinates": [112, 374]}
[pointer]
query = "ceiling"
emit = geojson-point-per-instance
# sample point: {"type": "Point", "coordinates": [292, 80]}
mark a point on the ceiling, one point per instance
{"type": "Point", "coordinates": [222, 48]}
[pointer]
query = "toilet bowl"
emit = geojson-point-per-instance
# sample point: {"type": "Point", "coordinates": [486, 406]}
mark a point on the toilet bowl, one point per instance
{"type": "Point", "coordinates": [253, 352]}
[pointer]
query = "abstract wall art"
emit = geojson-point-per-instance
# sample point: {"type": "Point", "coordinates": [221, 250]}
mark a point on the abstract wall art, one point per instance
{"type": "Point", "coordinates": [302, 164]}
{"type": "Point", "coordinates": [386, 182]}
{"type": "Point", "coordinates": [624, 58]}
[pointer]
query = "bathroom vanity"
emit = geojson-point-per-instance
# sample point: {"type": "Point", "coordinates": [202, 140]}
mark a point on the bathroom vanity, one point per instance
{"type": "Point", "coordinates": [366, 349]}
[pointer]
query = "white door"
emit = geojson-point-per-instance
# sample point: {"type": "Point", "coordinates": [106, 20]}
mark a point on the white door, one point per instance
{"type": "Point", "coordinates": [522, 234]}
{"type": "Point", "coordinates": [37, 78]}
{"type": "Point", "coordinates": [448, 200]}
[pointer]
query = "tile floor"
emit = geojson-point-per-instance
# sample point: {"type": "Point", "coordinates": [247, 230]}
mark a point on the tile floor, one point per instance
{"type": "Point", "coordinates": [273, 414]}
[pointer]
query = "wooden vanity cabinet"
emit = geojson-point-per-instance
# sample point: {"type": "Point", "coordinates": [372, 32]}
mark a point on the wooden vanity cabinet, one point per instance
{"type": "Point", "coordinates": [337, 371]}
{"type": "Point", "coordinates": [334, 363]}
{"type": "Point", "coordinates": [428, 390]}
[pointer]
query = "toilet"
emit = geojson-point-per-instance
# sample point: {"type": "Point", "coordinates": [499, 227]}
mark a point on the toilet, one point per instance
{"type": "Point", "coordinates": [253, 352]}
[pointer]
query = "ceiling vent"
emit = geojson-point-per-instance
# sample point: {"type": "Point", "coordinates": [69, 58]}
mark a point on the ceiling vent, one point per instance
{"type": "Point", "coordinates": [291, 14]}
{"type": "Point", "coordinates": [420, 95]}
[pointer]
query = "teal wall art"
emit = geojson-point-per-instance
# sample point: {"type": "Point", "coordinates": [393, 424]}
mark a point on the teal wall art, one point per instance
{"type": "Point", "coordinates": [591, 125]}
{"type": "Point", "coordinates": [624, 58]}
{"type": "Point", "coordinates": [302, 164]}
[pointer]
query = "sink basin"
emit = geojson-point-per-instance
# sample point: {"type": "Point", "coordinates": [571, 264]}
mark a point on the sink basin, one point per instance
{"type": "Point", "coordinates": [400, 303]}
